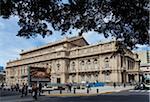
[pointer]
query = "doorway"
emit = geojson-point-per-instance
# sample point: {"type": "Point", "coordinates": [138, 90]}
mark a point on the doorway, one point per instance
{"type": "Point", "coordinates": [58, 80]}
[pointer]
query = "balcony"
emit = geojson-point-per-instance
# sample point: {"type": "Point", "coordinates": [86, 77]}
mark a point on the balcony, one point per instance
{"type": "Point", "coordinates": [24, 76]}
{"type": "Point", "coordinates": [72, 71]}
{"type": "Point", "coordinates": [107, 70]}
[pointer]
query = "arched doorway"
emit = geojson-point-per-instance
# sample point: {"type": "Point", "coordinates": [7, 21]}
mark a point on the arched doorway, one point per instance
{"type": "Point", "coordinates": [131, 78]}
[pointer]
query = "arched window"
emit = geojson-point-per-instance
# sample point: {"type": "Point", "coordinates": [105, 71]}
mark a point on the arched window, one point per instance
{"type": "Point", "coordinates": [106, 62]}
{"type": "Point", "coordinates": [95, 61]}
{"type": "Point", "coordinates": [83, 77]}
{"type": "Point", "coordinates": [73, 66]}
{"type": "Point", "coordinates": [58, 66]}
{"type": "Point", "coordinates": [88, 62]}
{"type": "Point", "coordinates": [82, 62]}
{"type": "Point", "coordinates": [73, 78]}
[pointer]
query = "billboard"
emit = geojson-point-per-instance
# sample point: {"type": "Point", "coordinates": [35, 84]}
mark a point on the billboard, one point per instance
{"type": "Point", "coordinates": [39, 74]}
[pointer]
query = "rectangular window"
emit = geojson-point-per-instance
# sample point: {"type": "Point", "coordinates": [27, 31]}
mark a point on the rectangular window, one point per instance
{"type": "Point", "coordinates": [121, 61]}
{"type": "Point", "coordinates": [24, 70]}
{"type": "Point", "coordinates": [106, 65]}
{"type": "Point", "coordinates": [107, 78]}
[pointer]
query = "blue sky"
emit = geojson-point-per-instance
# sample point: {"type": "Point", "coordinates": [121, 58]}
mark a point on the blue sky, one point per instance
{"type": "Point", "coordinates": [11, 45]}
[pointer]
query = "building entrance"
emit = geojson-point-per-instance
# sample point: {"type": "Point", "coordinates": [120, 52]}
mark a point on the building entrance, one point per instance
{"type": "Point", "coordinates": [131, 78]}
{"type": "Point", "coordinates": [123, 77]}
{"type": "Point", "coordinates": [58, 80]}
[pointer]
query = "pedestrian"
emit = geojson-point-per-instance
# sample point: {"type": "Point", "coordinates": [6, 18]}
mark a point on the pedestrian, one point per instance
{"type": "Point", "coordinates": [88, 87]}
{"type": "Point", "coordinates": [114, 85]}
{"type": "Point", "coordinates": [17, 87]}
{"type": "Point", "coordinates": [2, 85]}
{"type": "Point", "coordinates": [22, 90]}
{"type": "Point", "coordinates": [70, 87]}
{"type": "Point", "coordinates": [124, 84]}
{"type": "Point", "coordinates": [26, 89]}
{"type": "Point", "coordinates": [40, 89]}
{"type": "Point", "coordinates": [34, 91]}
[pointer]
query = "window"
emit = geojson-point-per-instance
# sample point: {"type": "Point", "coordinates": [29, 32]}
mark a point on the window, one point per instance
{"type": "Point", "coordinates": [21, 71]}
{"type": "Point", "coordinates": [73, 66]}
{"type": "Point", "coordinates": [95, 76]}
{"type": "Point", "coordinates": [82, 62]}
{"type": "Point", "coordinates": [88, 62]}
{"type": "Point", "coordinates": [73, 78]}
{"type": "Point", "coordinates": [89, 77]}
{"type": "Point", "coordinates": [95, 61]}
{"type": "Point", "coordinates": [130, 64]}
{"type": "Point", "coordinates": [58, 65]}
{"type": "Point", "coordinates": [106, 61]}
{"type": "Point", "coordinates": [106, 77]}
{"type": "Point", "coordinates": [121, 61]}
{"type": "Point", "coordinates": [58, 53]}
{"type": "Point", "coordinates": [24, 70]}
{"type": "Point", "coordinates": [82, 77]}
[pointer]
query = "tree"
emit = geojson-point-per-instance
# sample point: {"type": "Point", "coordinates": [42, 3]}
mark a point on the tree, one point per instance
{"type": "Point", "coordinates": [127, 20]}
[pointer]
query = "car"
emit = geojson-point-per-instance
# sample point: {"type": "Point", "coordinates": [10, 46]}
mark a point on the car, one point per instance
{"type": "Point", "coordinates": [141, 86]}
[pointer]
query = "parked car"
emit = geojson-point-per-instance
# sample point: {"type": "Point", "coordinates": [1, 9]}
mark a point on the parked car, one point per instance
{"type": "Point", "coordinates": [141, 86]}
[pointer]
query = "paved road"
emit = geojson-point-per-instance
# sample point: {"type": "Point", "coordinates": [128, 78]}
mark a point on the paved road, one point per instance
{"type": "Point", "coordinates": [124, 96]}
{"type": "Point", "coordinates": [8, 93]}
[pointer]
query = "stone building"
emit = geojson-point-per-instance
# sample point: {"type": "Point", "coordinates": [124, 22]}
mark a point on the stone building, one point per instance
{"type": "Point", "coordinates": [2, 75]}
{"type": "Point", "coordinates": [144, 57]}
{"type": "Point", "coordinates": [74, 60]}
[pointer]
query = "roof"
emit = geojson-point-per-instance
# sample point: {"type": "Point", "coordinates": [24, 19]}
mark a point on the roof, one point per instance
{"type": "Point", "coordinates": [66, 39]}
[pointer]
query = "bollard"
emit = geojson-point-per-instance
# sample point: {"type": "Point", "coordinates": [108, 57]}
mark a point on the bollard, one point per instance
{"type": "Point", "coordinates": [74, 91]}
{"type": "Point", "coordinates": [49, 91]}
{"type": "Point", "coordinates": [97, 90]}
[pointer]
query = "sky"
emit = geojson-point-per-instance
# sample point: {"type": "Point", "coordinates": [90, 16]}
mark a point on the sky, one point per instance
{"type": "Point", "coordinates": [11, 45]}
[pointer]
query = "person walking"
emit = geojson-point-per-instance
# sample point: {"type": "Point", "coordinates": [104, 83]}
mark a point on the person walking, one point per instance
{"type": "Point", "coordinates": [70, 87]}
{"type": "Point", "coordinates": [87, 86]}
{"type": "Point", "coordinates": [2, 85]}
{"type": "Point", "coordinates": [114, 85]}
{"type": "Point", "coordinates": [17, 87]}
{"type": "Point", "coordinates": [124, 85]}
{"type": "Point", "coordinates": [34, 91]}
{"type": "Point", "coordinates": [22, 90]}
{"type": "Point", "coordinates": [26, 89]}
{"type": "Point", "coordinates": [40, 89]}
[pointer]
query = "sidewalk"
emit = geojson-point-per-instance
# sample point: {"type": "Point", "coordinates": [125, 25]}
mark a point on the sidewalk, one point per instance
{"type": "Point", "coordinates": [92, 91]}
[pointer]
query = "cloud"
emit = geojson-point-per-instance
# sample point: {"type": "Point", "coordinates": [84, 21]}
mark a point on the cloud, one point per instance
{"type": "Point", "coordinates": [142, 47]}
{"type": "Point", "coordinates": [11, 45]}
{"type": "Point", "coordinates": [93, 37]}
{"type": "Point", "coordinates": [2, 26]}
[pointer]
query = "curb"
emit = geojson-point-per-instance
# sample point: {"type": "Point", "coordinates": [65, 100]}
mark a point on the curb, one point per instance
{"type": "Point", "coordinates": [78, 95]}
{"type": "Point", "coordinates": [82, 94]}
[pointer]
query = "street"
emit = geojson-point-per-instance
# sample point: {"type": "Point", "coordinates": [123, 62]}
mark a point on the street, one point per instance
{"type": "Point", "coordinates": [124, 96]}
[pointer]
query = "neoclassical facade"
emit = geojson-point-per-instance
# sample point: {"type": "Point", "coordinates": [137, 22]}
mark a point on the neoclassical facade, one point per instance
{"type": "Point", "coordinates": [74, 60]}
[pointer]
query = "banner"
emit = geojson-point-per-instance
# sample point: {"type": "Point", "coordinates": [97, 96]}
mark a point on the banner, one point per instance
{"type": "Point", "coordinates": [39, 74]}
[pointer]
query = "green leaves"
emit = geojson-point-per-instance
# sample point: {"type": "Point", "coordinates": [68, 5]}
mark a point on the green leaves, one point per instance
{"type": "Point", "coordinates": [124, 19]}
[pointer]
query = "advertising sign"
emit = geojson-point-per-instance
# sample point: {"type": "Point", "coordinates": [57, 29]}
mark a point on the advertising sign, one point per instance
{"type": "Point", "coordinates": [39, 74]}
